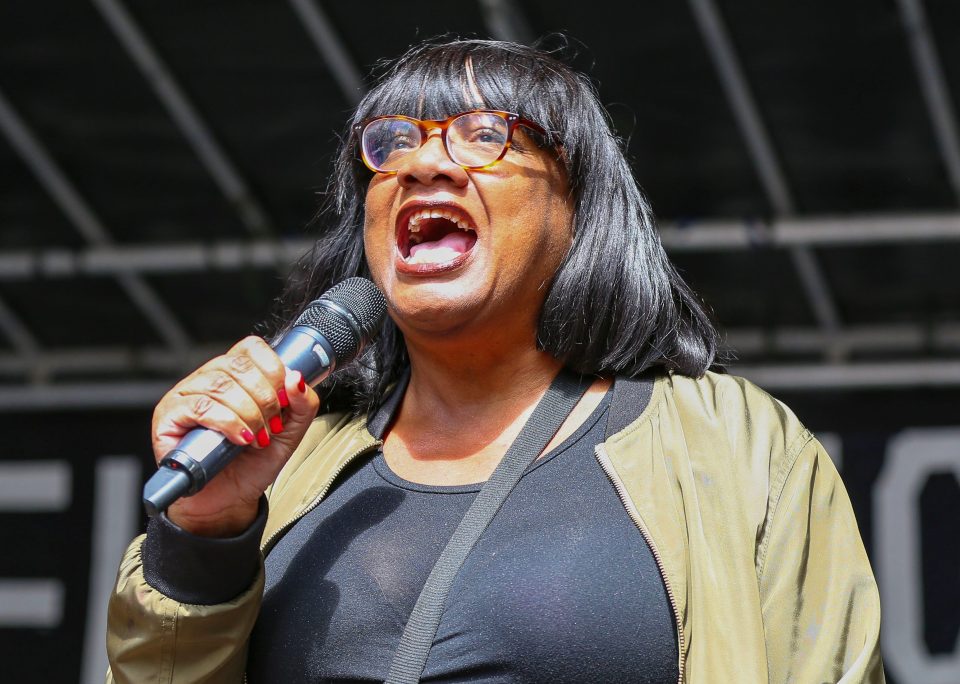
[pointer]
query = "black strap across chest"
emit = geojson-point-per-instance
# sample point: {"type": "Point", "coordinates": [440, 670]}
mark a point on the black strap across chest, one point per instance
{"type": "Point", "coordinates": [421, 628]}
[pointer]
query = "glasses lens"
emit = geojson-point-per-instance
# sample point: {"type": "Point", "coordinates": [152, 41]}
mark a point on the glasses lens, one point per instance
{"type": "Point", "coordinates": [477, 138]}
{"type": "Point", "coordinates": [386, 141]}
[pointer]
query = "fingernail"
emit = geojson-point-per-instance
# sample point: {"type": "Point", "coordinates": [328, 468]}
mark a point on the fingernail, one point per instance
{"type": "Point", "coordinates": [276, 425]}
{"type": "Point", "coordinates": [263, 439]}
{"type": "Point", "coordinates": [302, 384]}
{"type": "Point", "coordinates": [246, 435]}
{"type": "Point", "coordinates": [282, 396]}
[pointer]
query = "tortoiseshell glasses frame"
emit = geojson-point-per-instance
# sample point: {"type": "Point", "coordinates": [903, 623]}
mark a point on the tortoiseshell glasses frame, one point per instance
{"type": "Point", "coordinates": [471, 155]}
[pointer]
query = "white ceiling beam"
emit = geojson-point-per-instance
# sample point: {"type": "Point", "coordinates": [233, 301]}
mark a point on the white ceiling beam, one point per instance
{"type": "Point", "coordinates": [327, 41]}
{"type": "Point", "coordinates": [751, 125]}
{"type": "Point", "coordinates": [942, 113]}
{"type": "Point", "coordinates": [88, 395]}
{"type": "Point", "coordinates": [705, 236]}
{"type": "Point", "coordinates": [63, 192]}
{"type": "Point", "coordinates": [943, 338]}
{"type": "Point", "coordinates": [59, 263]}
{"type": "Point", "coordinates": [902, 338]}
{"type": "Point", "coordinates": [895, 375]}
{"type": "Point", "coordinates": [815, 231]}
{"type": "Point", "coordinates": [197, 132]}
{"type": "Point", "coordinates": [887, 375]}
{"type": "Point", "coordinates": [111, 360]}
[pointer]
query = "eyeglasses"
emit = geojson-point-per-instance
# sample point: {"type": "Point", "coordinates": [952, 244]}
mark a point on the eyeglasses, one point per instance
{"type": "Point", "coordinates": [474, 140]}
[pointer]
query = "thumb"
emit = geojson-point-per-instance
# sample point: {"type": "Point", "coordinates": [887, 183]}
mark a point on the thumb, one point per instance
{"type": "Point", "coordinates": [300, 411]}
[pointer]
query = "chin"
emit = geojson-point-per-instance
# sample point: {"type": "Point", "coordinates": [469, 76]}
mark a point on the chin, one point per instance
{"type": "Point", "coordinates": [435, 306]}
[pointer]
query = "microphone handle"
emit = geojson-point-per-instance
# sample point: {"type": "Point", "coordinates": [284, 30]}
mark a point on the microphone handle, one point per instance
{"type": "Point", "coordinates": [202, 453]}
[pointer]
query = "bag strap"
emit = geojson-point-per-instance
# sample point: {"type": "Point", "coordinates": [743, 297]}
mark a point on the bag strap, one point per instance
{"type": "Point", "coordinates": [421, 628]}
{"type": "Point", "coordinates": [630, 399]}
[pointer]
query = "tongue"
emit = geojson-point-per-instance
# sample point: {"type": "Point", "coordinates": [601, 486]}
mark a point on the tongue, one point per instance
{"type": "Point", "coordinates": [449, 247]}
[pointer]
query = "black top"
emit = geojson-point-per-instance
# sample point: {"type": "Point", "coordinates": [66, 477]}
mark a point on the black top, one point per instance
{"type": "Point", "coordinates": [560, 588]}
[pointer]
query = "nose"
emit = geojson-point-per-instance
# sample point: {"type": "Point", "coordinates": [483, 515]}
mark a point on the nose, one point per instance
{"type": "Point", "coordinates": [431, 164]}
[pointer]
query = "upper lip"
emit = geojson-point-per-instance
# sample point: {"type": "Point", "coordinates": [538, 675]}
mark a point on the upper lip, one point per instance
{"type": "Point", "coordinates": [403, 217]}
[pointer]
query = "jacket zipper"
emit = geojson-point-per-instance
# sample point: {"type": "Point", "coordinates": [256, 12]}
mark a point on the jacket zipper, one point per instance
{"type": "Point", "coordinates": [265, 549]}
{"type": "Point", "coordinates": [617, 483]}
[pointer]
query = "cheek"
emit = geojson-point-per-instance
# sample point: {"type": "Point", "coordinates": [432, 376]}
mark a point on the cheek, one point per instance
{"type": "Point", "coordinates": [376, 215]}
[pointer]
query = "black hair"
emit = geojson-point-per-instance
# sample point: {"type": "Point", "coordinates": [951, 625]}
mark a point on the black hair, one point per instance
{"type": "Point", "coordinates": [616, 306]}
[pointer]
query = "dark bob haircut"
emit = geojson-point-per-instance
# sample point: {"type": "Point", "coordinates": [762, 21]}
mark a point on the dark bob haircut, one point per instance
{"type": "Point", "coordinates": [616, 306]}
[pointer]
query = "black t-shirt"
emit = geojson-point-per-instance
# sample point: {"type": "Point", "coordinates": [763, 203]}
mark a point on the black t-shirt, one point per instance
{"type": "Point", "coordinates": [561, 587]}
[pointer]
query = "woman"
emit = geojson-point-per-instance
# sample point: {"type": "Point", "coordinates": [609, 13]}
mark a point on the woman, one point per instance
{"type": "Point", "coordinates": [680, 524]}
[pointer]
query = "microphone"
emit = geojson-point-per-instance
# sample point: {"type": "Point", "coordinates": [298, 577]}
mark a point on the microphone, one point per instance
{"type": "Point", "coordinates": [331, 332]}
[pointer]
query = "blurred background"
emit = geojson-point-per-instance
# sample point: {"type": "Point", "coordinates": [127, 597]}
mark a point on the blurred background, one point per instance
{"type": "Point", "coordinates": [160, 162]}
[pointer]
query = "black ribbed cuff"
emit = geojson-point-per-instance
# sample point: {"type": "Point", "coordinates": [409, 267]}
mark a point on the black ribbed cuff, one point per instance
{"type": "Point", "coordinates": [201, 570]}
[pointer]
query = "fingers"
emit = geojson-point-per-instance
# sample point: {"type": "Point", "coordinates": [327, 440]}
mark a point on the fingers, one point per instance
{"type": "Point", "coordinates": [240, 394]}
{"type": "Point", "coordinates": [174, 418]}
{"type": "Point", "coordinates": [247, 379]}
{"type": "Point", "coordinates": [303, 401]}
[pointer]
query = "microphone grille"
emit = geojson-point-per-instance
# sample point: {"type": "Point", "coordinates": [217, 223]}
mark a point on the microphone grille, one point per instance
{"type": "Point", "coordinates": [363, 299]}
{"type": "Point", "coordinates": [353, 320]}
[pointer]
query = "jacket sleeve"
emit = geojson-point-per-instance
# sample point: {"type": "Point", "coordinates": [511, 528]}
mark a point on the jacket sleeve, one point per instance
{"type": "Point", "coordinates": [820, 603]}
{"type": "Point", "coordinates": [152, 637]}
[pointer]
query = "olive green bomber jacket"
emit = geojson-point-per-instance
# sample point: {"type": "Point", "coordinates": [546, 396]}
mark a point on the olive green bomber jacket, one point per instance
{"type": "Point", "coordinates": [743, 509]}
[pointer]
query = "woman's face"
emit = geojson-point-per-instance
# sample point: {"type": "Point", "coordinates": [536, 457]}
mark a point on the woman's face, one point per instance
{"type": "Point", "coordinates": [456, 250]}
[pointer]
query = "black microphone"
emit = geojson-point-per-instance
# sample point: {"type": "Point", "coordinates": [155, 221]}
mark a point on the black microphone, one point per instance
{"type": "Point", "coordinates": [331, 332]}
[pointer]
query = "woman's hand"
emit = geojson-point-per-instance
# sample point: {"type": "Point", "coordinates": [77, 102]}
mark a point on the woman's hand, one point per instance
{"type": "Point", "coordinates": [250, 397]}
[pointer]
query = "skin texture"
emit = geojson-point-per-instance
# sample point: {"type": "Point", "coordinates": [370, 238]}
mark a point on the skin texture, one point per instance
{"type": "Point", "coordinates": [476, 373]}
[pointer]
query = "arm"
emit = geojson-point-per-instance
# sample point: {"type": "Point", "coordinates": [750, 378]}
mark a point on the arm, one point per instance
{"type": "Point", "coordinates": [820, 603]}
{"type": "Point", "coordinates": [152, 637]}
{"type": "Point", "coordinates": [188, 593]}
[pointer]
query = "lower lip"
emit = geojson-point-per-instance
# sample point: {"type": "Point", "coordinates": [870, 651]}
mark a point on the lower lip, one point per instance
{"type": "Point", "coordinates": [428, 269]}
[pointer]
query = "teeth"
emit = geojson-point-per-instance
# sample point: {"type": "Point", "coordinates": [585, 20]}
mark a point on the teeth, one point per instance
{"type": "Point", "coordinates": [416, 217]}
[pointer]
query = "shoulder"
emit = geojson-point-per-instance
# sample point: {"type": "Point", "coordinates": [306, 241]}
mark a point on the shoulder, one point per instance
{"type": "Point", "coordinates": [733, 413]}
{"type": "Point", "coordinates": [733, 401]}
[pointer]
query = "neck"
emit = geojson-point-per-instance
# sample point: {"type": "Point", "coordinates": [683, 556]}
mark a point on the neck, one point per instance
{"type": "Point", "coordinates": [479, 382]}
{"type": "Point", "coordinates": [464, 400]}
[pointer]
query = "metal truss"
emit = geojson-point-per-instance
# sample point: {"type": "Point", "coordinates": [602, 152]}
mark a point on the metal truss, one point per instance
{"type": "Point", "coordinates": [187, 118]}
{"type": "Point", "coordinates": [66, 196]}
{"type": "Point", "coordinates": [23, 372]}
{"type": "Point", "coordinates": [934, 85]}
{"type": "Point", "coordinates": [327, 41]}
{"type": "Point", "coordinates": [761, 151]}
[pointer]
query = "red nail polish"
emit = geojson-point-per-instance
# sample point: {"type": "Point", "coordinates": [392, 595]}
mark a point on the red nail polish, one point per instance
{"type": "Point", "coordinates": [246, 435]}
{"type": "Point", "coordinates": [282, 396]}
{"type": "Point", "coordinates": [302, 385]}
{"type": "Point", "coordinates": [276, 425]}
{"type": "Point", "coordinates": [263, 439]}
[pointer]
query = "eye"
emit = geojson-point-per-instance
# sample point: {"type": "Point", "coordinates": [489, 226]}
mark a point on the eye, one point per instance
{"type": "Point", "coordinates": [401, 141]}
{"type": "Point", "coordinates": [486, 136]}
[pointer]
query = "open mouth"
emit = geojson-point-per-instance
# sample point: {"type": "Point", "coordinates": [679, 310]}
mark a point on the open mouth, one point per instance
{"type": "Point", "coordinates": [435, 236]}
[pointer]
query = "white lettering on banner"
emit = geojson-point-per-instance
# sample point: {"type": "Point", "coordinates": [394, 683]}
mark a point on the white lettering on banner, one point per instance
{"type": "Point", "coordinates": [33, 487]}
{"type": "Point", "coordinates": [34, 603]}
{"type": "Point", "coordinates": [833, 445]}
{"type": "Point", "coordinates": [913, 456]}
{"type": "Point", "coordinates": [116, 515]}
